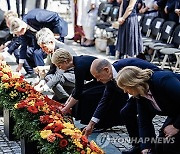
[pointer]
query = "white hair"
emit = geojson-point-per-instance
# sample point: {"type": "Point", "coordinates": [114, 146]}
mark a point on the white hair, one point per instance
{"type": "Point", "coordinates": [45, 36]}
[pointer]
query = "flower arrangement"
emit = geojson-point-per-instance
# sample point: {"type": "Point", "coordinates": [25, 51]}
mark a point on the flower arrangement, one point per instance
{"type": "Point", "coordinates": [39, 118]}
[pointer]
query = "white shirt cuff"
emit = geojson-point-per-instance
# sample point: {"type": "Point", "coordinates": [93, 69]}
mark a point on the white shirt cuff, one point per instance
{"type": "Point", "coordinates": [21, 61]}
{"type": "Point", "coordinates": [45, 87]}
{"type": "Point", "coordinates": [5, 54]}
{"type": "Point", "coordinates": [96, 120]}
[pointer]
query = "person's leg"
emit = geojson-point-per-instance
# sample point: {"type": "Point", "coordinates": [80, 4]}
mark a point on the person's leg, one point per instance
{"type": "Point", "coordinates": [28, 68]}
{"type": "Point", "coordinates": [17, 8]}
{"type": "Point", "coordinates": [23, 7]}
{"type": "Point", "coordinates": [146, 113]}
{"type": "Point", "coordinates": [129, 116]}
{"type": "Point", "coordinates": [8, 4]}
{"type": "Point", "coordinates": [45, 4]}
{"type": "Point", "coordinates": [38, 56]}
{"type": "Point", "coordinates": [168, 148]}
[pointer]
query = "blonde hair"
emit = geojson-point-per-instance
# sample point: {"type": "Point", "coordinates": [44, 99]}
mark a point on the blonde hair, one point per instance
{"type": "Point", "coordinates": [45, 36]}
{"type": "Point", "coordinates": [16, 25]}
{"type": "Point", "coordinates": [135, 78]}
{"type": "Point", "coordinates": [60, 56]}
{"type": "Point", "coordinates": [10, 13]}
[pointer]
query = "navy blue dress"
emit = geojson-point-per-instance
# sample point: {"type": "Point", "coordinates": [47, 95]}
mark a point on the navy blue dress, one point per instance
{"type": "Point", "coordinates": [129, 41]}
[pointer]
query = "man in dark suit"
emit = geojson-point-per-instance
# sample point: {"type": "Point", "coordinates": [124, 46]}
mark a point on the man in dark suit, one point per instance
{"type": "Point", "coordinates": [104, 72]}
{"type": "Point", "coordinates": [27, 38]}
{"type": "Point", "coordinates": [158, 93]}
{"type": "Point", "coordinates": [40, 18]}
{"type": "Point", "coordinates": [87, 90]}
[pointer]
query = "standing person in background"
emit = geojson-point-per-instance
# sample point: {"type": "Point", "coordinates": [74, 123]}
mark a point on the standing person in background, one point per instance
{"type": "Point", "coordinates": [170, 10]}
{"type": "Point", "coordinates": [88, 19]}
{"type": "Point", "coordinates": [160, 5]}
{"type": "Point", "coordinates": [148, 8]}
{"type": "Point", "coordinates": [129, 42]}
{"type": "Point", "coordinates": [177, 9]}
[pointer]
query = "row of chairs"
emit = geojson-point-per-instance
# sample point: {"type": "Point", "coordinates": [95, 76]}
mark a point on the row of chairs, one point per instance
{"type": "Point", "coordinates": [107, 14]}
{"type": "Point", "coordinates": [162, 38]}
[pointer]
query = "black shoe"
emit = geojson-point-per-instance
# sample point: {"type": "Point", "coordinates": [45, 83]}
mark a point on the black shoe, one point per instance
{"type": "Point", "coordinates": [30, 75]}
{"type": "Point", "coordinates": [133, 150]}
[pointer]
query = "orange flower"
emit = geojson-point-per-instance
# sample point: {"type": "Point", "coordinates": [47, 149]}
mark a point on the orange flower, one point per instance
{"type": "Point", "coordinates": [51, 138]}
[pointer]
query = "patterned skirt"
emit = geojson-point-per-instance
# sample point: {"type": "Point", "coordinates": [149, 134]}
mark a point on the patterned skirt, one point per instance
{"type": "Point", "coordinates": [129, 41]}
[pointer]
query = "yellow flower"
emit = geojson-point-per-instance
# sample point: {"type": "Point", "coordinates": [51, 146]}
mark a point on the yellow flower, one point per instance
{"type": "Point", "coordinates": [6, 85]}
{"type": "Point", "coordinates": [68, 125]}
{"type": "Point", "coordinates": [6, 69]}
{"type": "Point", "coordinates": [15, 105]}
{"type": "Point", "coordinates": [78, 144]}
{"type": "Point", "coordinates": [15, 75]}
{"type": "Point", "coordinates": [45, 133]}
{"type": "Point", "coordinates": [4, 77]}
{"type": "Point", "coordinates": [51, 124]}
{"type": "Point", "coordinates": [31, 103]}
{"type": "Point", "coordinates": [68, 131]}
{"type": "Point", "coordinates": [77, 131]}
{"type": "Point", "coordinates": [16, 85]}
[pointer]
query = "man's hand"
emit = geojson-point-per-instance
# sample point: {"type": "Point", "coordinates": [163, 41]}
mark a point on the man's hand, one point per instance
{"type": "Point", "coordinates": [170, 131]}
{"type": "Point", "coordinates": [65, 110]}
{"type": "Point", "coordinates": [88, 129]}
{"type": "Point", "coordinates": [19, 67]}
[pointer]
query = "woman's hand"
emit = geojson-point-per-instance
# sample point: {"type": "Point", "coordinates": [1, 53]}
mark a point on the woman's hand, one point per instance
{"type": "Point", "coordinates": [170, 131]}
{"type": "Point", "coordinates": [121, 20]}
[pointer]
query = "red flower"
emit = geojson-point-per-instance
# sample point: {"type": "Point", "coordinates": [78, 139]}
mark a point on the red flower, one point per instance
{"type": "Point", "coordinates": [63, 143]}
{"type": "Point", "coordinates": [1, 73]}
{"type": "Point", "coordinates": [84, 140]}
{"type": "Point", "coordinates": [58, 127]}
{"type": "Point", "coordinates": [39, 103]}
{"type": "Point", "coordinates": [9, 74]}
{"type": "Point", "coordinates": [21, 89]}
{"type": "Point", "coordinates": [32, 109]}
{"type": "Point", "coordinates": [21, 105]}
{"type": "Point", "coordinates": [83, 152]}
{"type": "Point", "coordinates": [46, 119]}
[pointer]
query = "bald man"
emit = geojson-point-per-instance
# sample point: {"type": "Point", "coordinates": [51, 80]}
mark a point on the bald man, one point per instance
{"type": "Point", "coordinates": [114, 99]}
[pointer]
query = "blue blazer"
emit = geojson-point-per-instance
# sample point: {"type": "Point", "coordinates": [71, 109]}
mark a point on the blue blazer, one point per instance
{"type": "Point", "coordinates": [165, 88]}
{"type": "Point", "coordinates": [27, 40]}
{"type": "Point", "coordinates": [111, 86]}
{"type": "Point", "coordinates": [82, 73]}
{"type": "Point", "coordinates": [40, 18]}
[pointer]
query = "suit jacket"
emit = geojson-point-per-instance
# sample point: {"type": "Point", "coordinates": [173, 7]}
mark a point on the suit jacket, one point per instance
{"type": "Point", "coordinates": [13, 45]}
{"type": "Point", "coordinates": [82, 73]}
{"type": "Point", "coordinates": [57, 74]}
{"type": "Point", "coordinates": [40, 18]}
{"type": "Point", "coordinates": [165, 88]}
{"type": "Point", "coordinates": [111, 86]}
{"type": "Point", "coordinates": [27, 40]}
